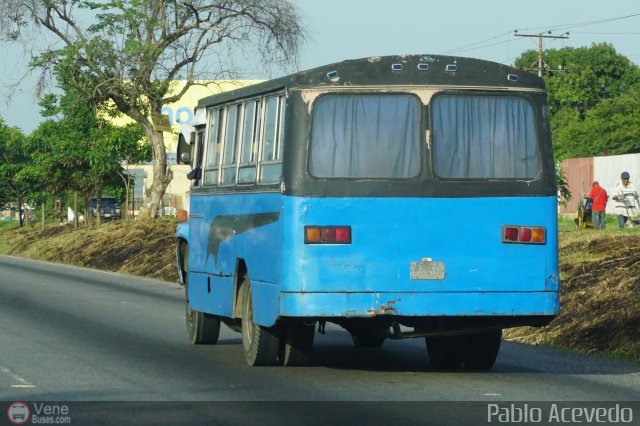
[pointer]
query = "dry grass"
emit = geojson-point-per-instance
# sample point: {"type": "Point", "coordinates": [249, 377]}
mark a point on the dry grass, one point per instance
{"type": "Point", "coordinates": [144, 248]}
{"type": "Point", "coordinates": [600, 296]}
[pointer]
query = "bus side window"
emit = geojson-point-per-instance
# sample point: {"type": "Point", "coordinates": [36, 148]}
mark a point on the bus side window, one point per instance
{"type": "Point", "coordinates": [198, 155]}
{"type": "Point", "coordinates": [214, 145]}
{"type": "Point", "coordinates": [271, 163]}
{"type": "Point", "coordinates": [248, 147]}
{"type": "Point", "coordinates": [230, 146]}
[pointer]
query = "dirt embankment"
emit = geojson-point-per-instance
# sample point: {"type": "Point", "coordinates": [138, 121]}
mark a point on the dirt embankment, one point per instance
{"type": "Point", "coordinates": [600, 296]}
{"type": "Point", "coordinates": [144, 248]}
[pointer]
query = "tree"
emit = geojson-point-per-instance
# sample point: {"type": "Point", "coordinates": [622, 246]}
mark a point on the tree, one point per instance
{"type": "Point", "coordinates": [13, 160]}
{"type": "Point", "coordinates": [594, 94]}
{"type": "Point", "coordinates": [124, 54]}
{"type": "Point", "coordinates": [80, 151]}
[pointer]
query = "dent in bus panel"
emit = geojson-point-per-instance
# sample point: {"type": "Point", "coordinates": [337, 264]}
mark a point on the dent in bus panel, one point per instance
{"type": "Point", "coordinates": [224, 227]}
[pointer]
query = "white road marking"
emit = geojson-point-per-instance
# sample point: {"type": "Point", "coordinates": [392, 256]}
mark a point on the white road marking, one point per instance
{"type": "Point", "coordinates": [22, 382]}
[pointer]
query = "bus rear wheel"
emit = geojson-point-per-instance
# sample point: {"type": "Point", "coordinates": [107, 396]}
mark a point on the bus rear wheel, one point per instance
{"type": "Point", "coordinates": [202, 329]}
{"type": "Point", "coordinates": [482, 350]}
{"type": "Point", "coordinates": [297, 344]}
{"type": "Point", "coordinates": [368, 340]}
{"type": "Point", "coordinates": [445, 352]}
{"type": "Point", "coordinates": [260, 343]}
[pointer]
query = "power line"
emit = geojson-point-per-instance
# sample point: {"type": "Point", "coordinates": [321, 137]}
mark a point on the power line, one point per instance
{"type": "Point", "coordinates": [600, 33]}
{"type": "Point", "coordinates": [581, 24]}
{"type": "Point", "coordinates": [470, 46]}
{"type": "Point", "coordinates": [481, 45]}
{"type": "Point", "coordinates": [541, 64]}
{"type": "Point", "coordinates": [460, 49]}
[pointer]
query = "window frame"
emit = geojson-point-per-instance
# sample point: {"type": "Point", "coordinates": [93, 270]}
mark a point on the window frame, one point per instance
{"type": "Point", "coordinates": [254, 142]}
{"type": "Point", "coordinates": [278, 137]}
{"type": "Point", "coordinates": [487, 94]}
{"type": "Point", "coordinates": [235, 108]}
{"type": "Point", "coordinates": [213, 169]}
{"type": "Point", "coordinates": [213, 174]}
{"type": "Point", "coordinates": [421, 119]}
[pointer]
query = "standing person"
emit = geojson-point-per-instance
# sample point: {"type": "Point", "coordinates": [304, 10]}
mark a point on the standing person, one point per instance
{"type": "Point", "coordinates": [599, 198]}
{"type": "Point", "coordinates": [626, 197]}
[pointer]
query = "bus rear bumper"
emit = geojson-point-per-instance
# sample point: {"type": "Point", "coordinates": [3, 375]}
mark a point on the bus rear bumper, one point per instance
{"type": "Point", "coordinates": [365, 305]}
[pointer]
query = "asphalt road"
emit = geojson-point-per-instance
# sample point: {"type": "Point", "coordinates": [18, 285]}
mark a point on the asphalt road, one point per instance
{"type": "Point", "coordinates": [72, 334]}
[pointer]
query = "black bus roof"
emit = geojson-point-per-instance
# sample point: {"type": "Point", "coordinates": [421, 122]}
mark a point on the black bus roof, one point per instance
{"type": "Point", "coordinates": [400, 70]}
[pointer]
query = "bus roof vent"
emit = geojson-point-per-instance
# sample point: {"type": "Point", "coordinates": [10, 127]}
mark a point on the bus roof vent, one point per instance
{"type": "Point", "coordinates": [512, 77]}
{"type": "Point", "coordinates": [451, 68]}
{"type": "Point", "coordinates": [396, 67]}
{"type": "Point", "coordinates": [333, 75]}
{"type": "Point", "coordinates": [423, 67]}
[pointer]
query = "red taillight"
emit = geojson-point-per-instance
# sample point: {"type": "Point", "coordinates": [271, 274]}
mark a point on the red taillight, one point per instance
{"type": "Point", "coordinates": [510, 233]}
{"type": "Point", "coordinates": [524, 234]}
{"type": "Point", "coordinates": [327, 235]}
{"type": "Point", "coordinates": [343, 235]}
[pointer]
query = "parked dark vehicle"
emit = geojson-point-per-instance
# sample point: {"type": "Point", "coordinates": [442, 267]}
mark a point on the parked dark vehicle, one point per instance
{"type": "Point", "coordinates": [109, 208]}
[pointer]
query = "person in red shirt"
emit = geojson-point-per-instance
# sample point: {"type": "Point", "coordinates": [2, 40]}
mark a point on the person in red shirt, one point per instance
{"type": "Point", "coordinates": [599, 198]}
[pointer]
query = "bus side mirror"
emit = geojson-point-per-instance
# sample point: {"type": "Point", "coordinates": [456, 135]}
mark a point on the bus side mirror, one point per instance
{"type": "Point", "coordinates": [184, 149]}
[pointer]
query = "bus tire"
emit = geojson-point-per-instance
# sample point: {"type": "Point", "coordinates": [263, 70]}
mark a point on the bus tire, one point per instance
{"type": "Point", "coordinates": [445, 352]}
{"type": "Point", "coordinates": [368, 340]}
{"type": "Point", "coordinates": [297, 344]}
{"type": "Point", "coordinates": [202, 329]}
{"type": "Point", "coordinates": [482, 350]}
{"type": "Point", "coordinates": [260, 343]}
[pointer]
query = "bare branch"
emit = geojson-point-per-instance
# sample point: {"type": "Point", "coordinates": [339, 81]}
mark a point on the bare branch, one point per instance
{"type": "Point", "coordinates": [129, 51]}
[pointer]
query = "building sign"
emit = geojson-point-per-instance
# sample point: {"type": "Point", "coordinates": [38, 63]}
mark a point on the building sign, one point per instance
{"type": "Point", "coordinates": [161, 122]}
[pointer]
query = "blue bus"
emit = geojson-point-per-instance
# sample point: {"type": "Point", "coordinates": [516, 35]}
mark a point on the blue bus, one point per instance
{"type": "Point", "coordinates": [398, 197]}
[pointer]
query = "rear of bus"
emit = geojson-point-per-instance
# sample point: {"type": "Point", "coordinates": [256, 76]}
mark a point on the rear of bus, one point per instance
{"type": "Point", "coordinates": [430, 206]}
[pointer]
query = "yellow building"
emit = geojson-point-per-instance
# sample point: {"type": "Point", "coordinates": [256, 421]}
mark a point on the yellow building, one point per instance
{"type": "Point", "coordinates": [180, 113]}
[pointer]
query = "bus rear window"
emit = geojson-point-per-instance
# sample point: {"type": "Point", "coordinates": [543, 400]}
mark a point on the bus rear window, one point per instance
{"type": "Point", "coordinates": [484, 137]}
{"type": "Point", "coordinates": [365, 136]}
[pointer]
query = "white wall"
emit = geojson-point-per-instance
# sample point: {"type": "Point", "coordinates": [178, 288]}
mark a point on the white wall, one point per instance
{"type": "Point", "coordinates": [607, 170]}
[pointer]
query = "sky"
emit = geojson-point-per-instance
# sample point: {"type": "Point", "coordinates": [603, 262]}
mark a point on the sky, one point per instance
{"type": "Point", "coordinates": [348, 29]}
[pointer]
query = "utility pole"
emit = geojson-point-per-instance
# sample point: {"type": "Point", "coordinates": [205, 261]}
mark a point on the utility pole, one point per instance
{"type": "Point", "coordinates": [540, 50]}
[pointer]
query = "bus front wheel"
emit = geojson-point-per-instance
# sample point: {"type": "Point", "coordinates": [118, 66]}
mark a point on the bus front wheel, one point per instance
{"type": "Point", "coordinates": [260, 343]}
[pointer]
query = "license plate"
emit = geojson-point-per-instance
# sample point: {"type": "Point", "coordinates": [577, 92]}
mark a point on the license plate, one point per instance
{"type": "Point", "coordinates": [427, 271]}
{"type": "Point", "coordinates": [107, 215]}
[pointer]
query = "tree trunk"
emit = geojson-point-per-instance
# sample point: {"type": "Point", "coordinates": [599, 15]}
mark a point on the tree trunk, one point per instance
{"type": "Point", "coordinates": [87, 209]}
{"type": "Point", "coordinates": [21, 211]}
{"type": "Point", "coordinates": [98, 196]}
{"type": "Point", "coordinates": [127, 184]}
{"type": "Point", "coordinates": [126, 197]}
{"type": "Point", "coordinates": [75, 209]}
{"type": "Point", "coordinates": [42, 214]}
{"type": "Point", "coordinates": [162, 174]}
